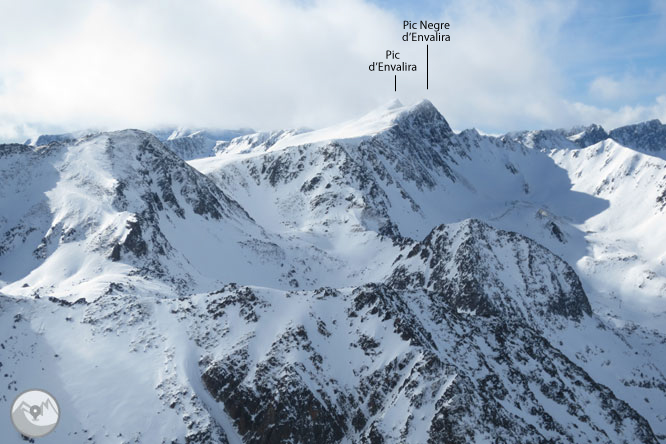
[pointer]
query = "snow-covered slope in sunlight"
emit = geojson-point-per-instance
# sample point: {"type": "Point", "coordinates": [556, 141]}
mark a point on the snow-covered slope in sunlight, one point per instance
{"type": "Point", "coordinates": [382, 280]}
{"type": "Point", "coordinates": [626, 258]}
{"type": "Point", "coordinates": [117, 208]}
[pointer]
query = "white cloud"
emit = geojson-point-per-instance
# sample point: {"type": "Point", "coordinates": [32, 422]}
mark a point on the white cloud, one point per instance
{"type": "Point", "coordinates": [606, 88]}
{"type": "Point", "coordinates": [499, 72]}
{"type": "Point", "coordinates": [267, 63]}
{"type": "Point", "coordinates": [273, 63]}
{"type": "Point", "coordinates": [613, 118]}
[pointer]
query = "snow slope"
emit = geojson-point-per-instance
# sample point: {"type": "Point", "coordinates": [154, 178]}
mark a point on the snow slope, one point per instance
{"type": "Point", "coordinates": [626, 259]}
{"type": "Point", "coordinates": [382, 280]}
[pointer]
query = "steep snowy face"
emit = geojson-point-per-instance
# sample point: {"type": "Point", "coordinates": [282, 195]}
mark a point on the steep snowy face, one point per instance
{"type": "Point", "coordinates": [351, 197]}
{"type": "Point", "coordinates": [648, 137]}
{"type": "Point", "coordinates": [385, 175]}
{"type": "Point", "coordinates": [107, 206]}
{"type": "Point", "coordinates": [416, 148]}
{"type": "Point", "coordinates": [472, 267]}
{"type": "Point", "coordinates": [394, 172]}
{"type": "Point", "coordinates": [391, 177]}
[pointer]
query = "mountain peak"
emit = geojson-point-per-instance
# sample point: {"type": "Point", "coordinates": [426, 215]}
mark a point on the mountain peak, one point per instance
{"type": "Point", "coordinates": [640, 126]}
{"type": "Point", "coordinates": [647, 136]}
{"type": "Point", "coordinates": [424, 104]}
{"type": "Point", "coordinates": [584, 136]}
{"type": "Point", "coordinates": [391, 115]}
{"type": "Point", "coordinates": [394, 104]}
{"type": "Point", "coordinates": [423, 113]}
{"type": "Point", "coordinates": [473, 267]}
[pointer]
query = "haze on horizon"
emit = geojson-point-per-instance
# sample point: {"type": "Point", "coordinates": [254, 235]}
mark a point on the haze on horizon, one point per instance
{"type": "Point", "coordinates": [271, 64]}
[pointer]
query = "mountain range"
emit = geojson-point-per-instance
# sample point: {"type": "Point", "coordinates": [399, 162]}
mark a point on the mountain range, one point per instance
{"type": "Point", "coordinates": [387, 279]}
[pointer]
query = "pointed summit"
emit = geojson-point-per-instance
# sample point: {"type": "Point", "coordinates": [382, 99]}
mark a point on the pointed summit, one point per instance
{"type": "Point", "coordinates": [425, 104]}
{"type": "Point", "coordinates": [394, 104]}
{"type": "Point", "coordinates": [424, 118]}
{"type": "Point", "coordinates": [384, 118]}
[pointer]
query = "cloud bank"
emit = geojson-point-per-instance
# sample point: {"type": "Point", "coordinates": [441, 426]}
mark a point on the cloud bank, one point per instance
{"type": "Point", "coordinates": [286, 63]}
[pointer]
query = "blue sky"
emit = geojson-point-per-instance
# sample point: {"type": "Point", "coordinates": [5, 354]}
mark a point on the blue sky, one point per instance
{"type": "Point", "coordinates": [269, 64]}
{"type": "Point", "coordinates": [618, 40]}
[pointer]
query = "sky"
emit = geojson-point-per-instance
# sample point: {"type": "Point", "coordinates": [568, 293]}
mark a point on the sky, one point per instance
{"type": "Point", "coordinates": [270, 64]}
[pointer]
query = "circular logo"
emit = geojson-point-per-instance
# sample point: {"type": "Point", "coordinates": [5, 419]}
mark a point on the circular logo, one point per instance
{"type": "Point", "coordinates": [35, 413]}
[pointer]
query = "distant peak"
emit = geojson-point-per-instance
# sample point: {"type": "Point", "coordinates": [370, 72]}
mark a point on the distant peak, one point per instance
{"type": "Point", "coordinates": [45, 139]}
{"type": "Point", "coordinates": [648, 124]}
{"type": "Point", "coordinates": [647, 136]}
{"type": "Point", "coordinates": [394, 104]}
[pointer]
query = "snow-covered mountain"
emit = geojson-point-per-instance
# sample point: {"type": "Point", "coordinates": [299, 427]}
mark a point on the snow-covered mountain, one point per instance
{"type": "Point", "coordinates": [647, 137]}
{"type": "Point", "coordinates": [488, 272]}
{"type": "Point", "coordinates": [45, 139]}
{"type": "Point", "coordinates": [187, 143]}
{"type": "Point", "coordinates": [195, 143]}
{"type": "Point", "coordinates": [120, 209]}
{"type": "Point", "coordinates": [383, 280]}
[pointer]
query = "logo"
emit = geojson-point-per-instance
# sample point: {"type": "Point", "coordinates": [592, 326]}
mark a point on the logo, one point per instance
{"type": "Point", "coordinates": [35, 413]}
